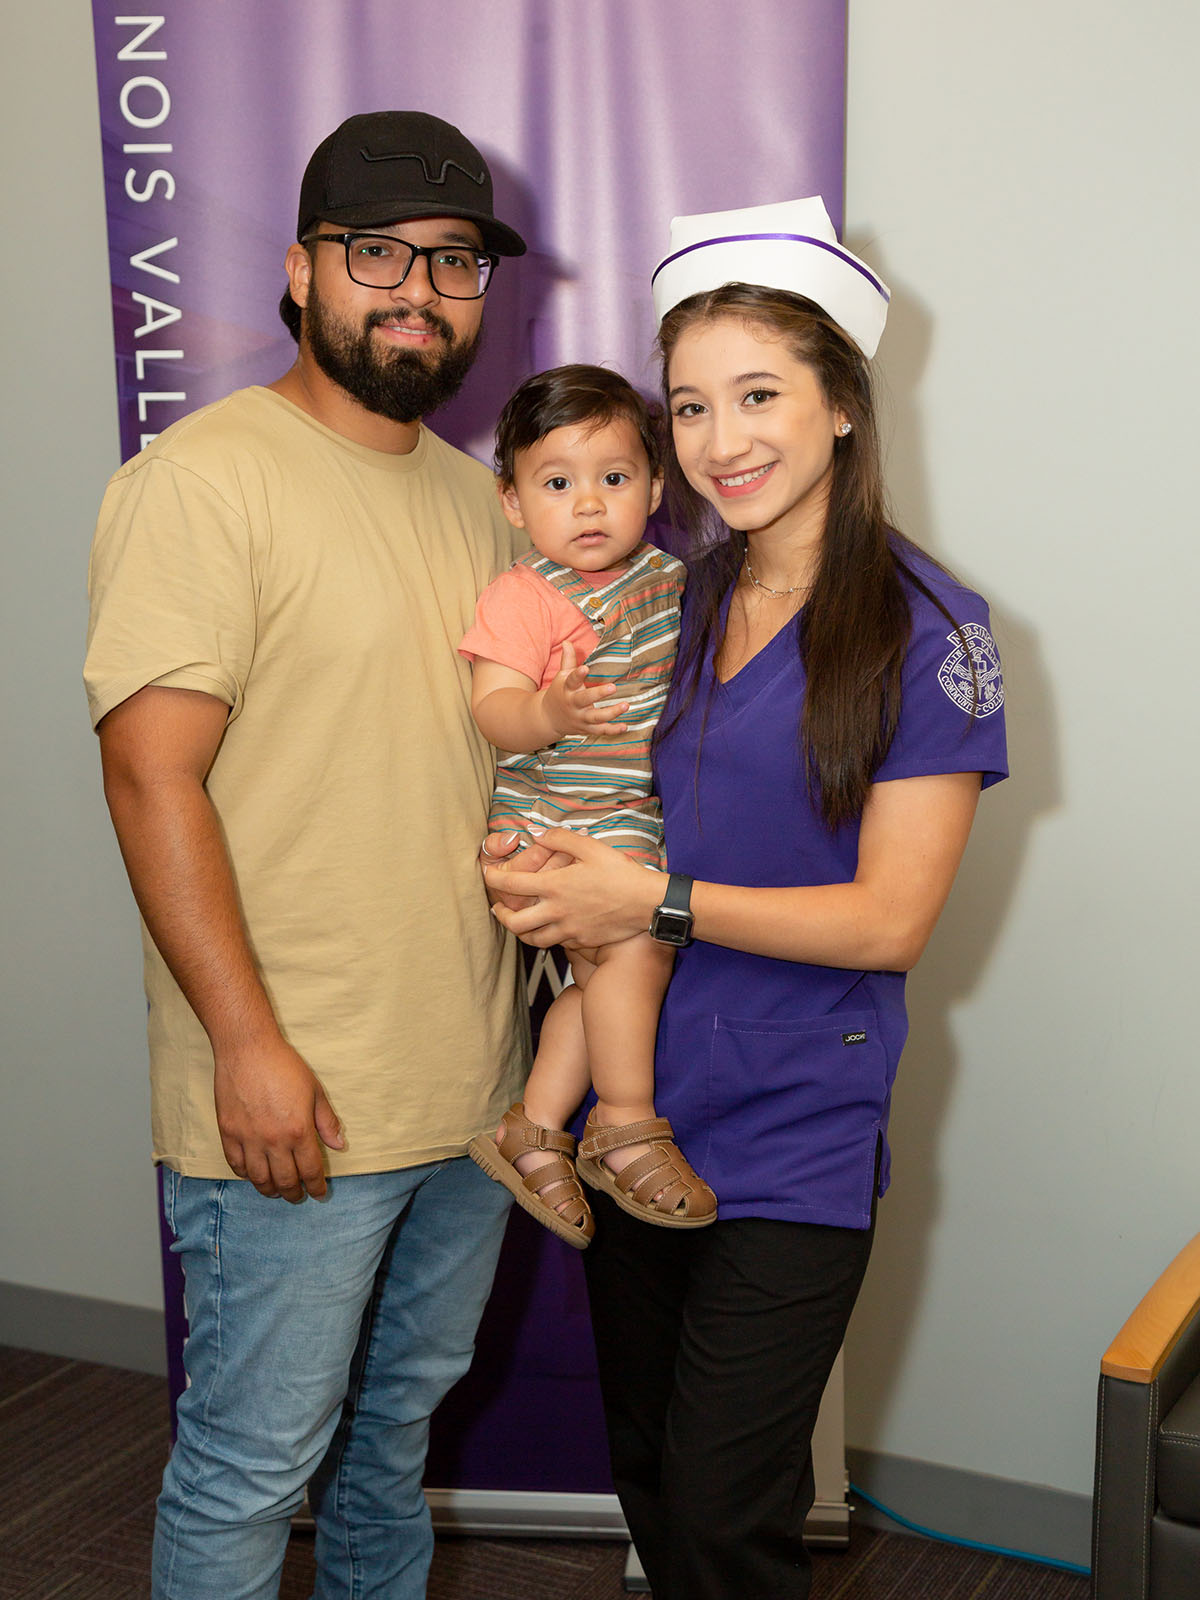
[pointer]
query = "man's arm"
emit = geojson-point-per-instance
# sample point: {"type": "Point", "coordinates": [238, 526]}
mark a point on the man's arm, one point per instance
{"type": "Point", "coordinates": [156, 748]}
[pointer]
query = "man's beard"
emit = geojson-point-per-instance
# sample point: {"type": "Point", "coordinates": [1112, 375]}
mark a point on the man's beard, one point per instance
{"type": "Point", "coordinates": [402, 385]}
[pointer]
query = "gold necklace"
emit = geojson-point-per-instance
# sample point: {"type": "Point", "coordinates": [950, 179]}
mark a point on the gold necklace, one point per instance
{"type": "Point", "coordinates": [779, 594]}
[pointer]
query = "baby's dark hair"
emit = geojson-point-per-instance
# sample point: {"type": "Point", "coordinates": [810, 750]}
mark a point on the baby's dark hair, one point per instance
{"type": "Point", "coordinates": [565, 397]}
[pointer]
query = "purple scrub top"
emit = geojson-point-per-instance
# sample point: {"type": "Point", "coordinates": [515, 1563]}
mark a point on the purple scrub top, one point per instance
{"type": "Point", "coordinates": [777, 1075]}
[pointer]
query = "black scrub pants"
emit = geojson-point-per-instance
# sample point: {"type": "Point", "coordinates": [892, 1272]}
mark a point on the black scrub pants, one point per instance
{"type": "Point", "coordinates": [714, 1348]}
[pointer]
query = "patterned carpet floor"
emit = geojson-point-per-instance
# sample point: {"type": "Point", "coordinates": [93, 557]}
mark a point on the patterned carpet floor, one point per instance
{"type": "Point", "coordinates": [81, 1454]}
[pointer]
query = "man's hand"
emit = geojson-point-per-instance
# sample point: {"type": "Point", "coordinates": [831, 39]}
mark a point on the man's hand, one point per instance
{"type": "Point", "coordinates": [273, 1117]}
{"type": "Point", "coordinates": [572, 706]}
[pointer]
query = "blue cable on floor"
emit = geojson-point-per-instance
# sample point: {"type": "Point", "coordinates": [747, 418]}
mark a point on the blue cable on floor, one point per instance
{"type": "Point", "coordinates": [967, 1544]}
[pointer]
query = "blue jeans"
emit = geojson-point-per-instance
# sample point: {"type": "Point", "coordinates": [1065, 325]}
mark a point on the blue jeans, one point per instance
{"type": "Point", "coordinates": [321, 1338]}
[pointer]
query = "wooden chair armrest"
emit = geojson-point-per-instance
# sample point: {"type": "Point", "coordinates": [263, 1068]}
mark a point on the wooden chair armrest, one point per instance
{"type": "Point", "coordinates": [1146, 1340]}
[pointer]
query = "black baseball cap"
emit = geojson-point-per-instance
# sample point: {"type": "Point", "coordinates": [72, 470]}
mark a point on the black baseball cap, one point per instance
{"type": "Point", "coordinates": [383, 166]}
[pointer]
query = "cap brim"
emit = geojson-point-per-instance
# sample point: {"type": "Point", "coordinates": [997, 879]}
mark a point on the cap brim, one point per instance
{"type": "Point", "coordinates": [502, 240]}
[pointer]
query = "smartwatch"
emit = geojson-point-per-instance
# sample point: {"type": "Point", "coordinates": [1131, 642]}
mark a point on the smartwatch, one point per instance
{"type": "Point", "coordinates": [672, 921]}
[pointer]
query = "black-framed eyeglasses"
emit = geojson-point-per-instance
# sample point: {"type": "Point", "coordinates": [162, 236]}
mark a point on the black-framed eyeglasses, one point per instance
{"type": "Point", "coordinates": [381, 261]}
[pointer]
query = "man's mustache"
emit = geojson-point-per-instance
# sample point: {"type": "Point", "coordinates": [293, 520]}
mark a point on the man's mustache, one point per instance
{"type": "Point", "coordinates": [430, 319]}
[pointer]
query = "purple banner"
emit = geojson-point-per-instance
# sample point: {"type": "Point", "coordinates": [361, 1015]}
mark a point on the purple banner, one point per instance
{"type": "Point", "coordinates": [600, 119]}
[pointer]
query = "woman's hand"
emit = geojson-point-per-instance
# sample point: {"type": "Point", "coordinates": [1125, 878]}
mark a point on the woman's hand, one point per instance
{"type": "Point", "coordinates": [600, 897]}
{"type": "Point", "coordinates": [493, 853]}
{"type": "Point", "coordinates": [500, 850]}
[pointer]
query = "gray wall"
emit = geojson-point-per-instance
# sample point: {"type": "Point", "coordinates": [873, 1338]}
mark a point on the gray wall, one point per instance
{"type": "Point", "coordinates": [1014, 171]}
{"type": "Point", "coordinates": [1018, 173]}
{"type": "Point", "coordinates": [76, 1187]}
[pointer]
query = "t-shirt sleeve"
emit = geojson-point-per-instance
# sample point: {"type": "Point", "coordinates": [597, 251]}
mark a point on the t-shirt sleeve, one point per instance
{"type": "Point", "coordinates": [952, 711]}
{"type": "Point", "coordinates": [511, 627]}
{"type": "Point", "coordinates": [172, 590]}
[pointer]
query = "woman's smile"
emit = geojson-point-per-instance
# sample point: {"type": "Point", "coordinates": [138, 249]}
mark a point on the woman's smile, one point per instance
{"type": "Point", "coordinates": [744, 482]}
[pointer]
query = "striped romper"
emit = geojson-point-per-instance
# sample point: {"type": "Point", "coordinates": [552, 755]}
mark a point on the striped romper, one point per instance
{"type": "Point", "coordinates": [604, 784]}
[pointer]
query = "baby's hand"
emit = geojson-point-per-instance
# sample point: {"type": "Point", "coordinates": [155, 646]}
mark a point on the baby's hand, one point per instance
{"type": "Point", "coordinates": [571, 706]}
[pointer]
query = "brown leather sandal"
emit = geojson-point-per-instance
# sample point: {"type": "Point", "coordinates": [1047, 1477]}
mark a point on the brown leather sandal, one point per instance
{"type": "Point", "coordinates": [658, 1187]}
{"type": "Point", "coordinates": [543, 1190]}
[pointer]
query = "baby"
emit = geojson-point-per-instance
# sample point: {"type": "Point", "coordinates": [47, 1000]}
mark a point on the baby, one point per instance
{"type": "Point", "coordinates": [572, 650]}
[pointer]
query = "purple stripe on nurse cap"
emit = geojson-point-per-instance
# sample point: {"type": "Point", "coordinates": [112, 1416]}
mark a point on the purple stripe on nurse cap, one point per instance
{"type": "Point", "coordinates": [791, 246]}
{"type": "Point", "coordinates": [797, 238]}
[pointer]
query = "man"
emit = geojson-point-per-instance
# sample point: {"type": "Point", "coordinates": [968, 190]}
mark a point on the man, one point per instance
{"type": "Point", "coordinates": [278, 585]}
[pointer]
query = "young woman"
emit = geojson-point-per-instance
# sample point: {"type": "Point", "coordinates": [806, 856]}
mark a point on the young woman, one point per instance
{"type": "Point", "coordinates": [835, 710]}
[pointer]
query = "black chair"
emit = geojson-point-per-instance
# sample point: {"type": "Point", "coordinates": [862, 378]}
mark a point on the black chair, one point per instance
{"type": "Point", "coordinates": [1146, 1509]}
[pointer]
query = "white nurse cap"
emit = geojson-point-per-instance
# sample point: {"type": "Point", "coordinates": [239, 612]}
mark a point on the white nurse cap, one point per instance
{"type": "Point", "coordinates": [790, 245]}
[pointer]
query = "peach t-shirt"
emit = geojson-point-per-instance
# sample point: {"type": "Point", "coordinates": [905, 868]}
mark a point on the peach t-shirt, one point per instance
{"type": "Point", "coordinates": [520, 617]}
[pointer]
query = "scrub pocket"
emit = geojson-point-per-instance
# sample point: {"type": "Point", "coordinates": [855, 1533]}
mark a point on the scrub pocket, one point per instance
{"type": "Point", "coordinates": [795, 1110]}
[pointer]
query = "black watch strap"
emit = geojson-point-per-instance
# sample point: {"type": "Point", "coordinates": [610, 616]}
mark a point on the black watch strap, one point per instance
{"type": "Point", "coordinates": [672, 920]}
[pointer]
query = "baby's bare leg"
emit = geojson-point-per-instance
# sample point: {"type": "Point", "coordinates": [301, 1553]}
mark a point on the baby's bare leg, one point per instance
{"type": "Point", "coordinates": [560, 1077]}
{"type": "Point", "coordinates": [621, 1004]}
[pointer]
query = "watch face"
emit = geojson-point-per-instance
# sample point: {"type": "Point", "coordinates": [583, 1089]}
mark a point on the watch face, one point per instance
{"type": "Point", "coordinates": [671, 927]}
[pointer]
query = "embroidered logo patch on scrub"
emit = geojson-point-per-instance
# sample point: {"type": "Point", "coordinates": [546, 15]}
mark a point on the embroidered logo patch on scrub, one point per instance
{"type": "Point", "coordinates": [961, 672]}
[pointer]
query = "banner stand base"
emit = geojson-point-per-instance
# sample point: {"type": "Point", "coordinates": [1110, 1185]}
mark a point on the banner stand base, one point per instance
{"type": "Point", "coordinates": [526, 1514]}
{"type": "Point", "coordinates": [635, 1576]}
{"type": "Point", "coordinates": [534, 1514]}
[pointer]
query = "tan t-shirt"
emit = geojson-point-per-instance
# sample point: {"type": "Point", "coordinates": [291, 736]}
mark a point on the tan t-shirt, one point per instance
{"type": "Point", "coordinates": [320, 589]}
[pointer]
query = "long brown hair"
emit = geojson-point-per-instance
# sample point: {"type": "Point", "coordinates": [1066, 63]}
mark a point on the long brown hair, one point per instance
{"type": "Point", "coordinates": [853, 632]}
